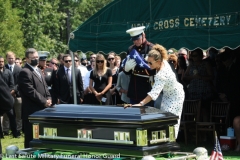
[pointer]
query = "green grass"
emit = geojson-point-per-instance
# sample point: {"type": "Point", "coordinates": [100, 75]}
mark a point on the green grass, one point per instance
{"type": "Point", "coordinates": [228, 155]}
{"type": "Point", "coordinates": [9, 140]}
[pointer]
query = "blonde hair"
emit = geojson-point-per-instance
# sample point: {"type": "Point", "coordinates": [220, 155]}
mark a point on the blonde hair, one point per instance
{"type": "Point", "coordinates": [100, 56]}
{"type": "Point", "coordinates": [10, 53]}
{"type": "Point", "coordinates": [112, 53]}
{"type": "Point", "coordinates": [118, 58]}
{"type": "Point", "coordinates": [158, 52]}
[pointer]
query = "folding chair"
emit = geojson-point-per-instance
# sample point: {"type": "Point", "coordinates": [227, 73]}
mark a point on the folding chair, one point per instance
{"type": "Point", "coordinates": [218, 119]}
{"type": "Point", "coordinates": [190, 115]}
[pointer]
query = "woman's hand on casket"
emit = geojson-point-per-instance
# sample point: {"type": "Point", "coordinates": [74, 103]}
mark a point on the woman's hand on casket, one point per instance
{"type": "Point", "coordinates": [127, 106]}
{"type": "Point", "coordinates": [137, 104]}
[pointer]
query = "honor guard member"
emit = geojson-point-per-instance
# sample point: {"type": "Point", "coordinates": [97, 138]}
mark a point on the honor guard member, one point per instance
{"type": "Point", "coordinates": [46, 71]}
{"type": "Point", "coordinates": [139, 84]}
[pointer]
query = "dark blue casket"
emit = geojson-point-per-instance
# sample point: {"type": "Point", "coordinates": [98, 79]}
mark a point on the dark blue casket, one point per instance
{"type": "Point", "coordinates": [134, 132]}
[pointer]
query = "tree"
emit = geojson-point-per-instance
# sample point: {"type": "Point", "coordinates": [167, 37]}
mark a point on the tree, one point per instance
{"type": "Point", "coordinates": [41, 23]}
{"type": "Point", "coordinates": [85, 10]}
{"type": "Point", "coordinates": [46, 24]}
{"type": "Point", "coordinates": [11, 36]}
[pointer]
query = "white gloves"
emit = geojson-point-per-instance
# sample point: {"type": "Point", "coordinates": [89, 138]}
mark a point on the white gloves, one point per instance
{"type": "Point", "coordinates": [130, 64]}
{"type": "Point", "coordinates": [146, 58]}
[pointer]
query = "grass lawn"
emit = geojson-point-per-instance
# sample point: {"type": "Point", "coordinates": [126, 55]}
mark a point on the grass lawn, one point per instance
{"type": "Point", "coordinates": [228, 155]}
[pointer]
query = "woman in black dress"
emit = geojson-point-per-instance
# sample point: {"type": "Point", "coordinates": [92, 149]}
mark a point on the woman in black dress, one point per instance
{"type": "Point", "coordinates": [101, 77]}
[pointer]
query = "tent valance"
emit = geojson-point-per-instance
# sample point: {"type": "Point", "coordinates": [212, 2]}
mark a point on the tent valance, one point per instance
{"type": "Point", "coordinates": [174, 24]}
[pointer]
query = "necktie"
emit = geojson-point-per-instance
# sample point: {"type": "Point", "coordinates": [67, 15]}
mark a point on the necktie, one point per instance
{"type": "Point", "coordinates": [38, 73]}
{"type": "Point", "coordinates": [69, 75]}
{"type": "Point", "coordinates": [10, 68]}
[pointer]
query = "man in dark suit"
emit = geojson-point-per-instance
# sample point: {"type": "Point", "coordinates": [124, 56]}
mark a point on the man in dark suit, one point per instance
{"type": "Point", "coordinates": [7, 101]}
{"type": "Point", "coordinates": [33, 90]}
{"type": "Point", "coordinates": [7, 77]}
{"type": "Point", "coordinates": [15, 69]}
{"type": "Point", "coordinates": [64, 85]}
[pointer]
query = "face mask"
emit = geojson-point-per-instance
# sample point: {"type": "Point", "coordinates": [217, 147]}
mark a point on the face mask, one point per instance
{"type": "Point", "coordinates": [84, 64]}
{"type": "Point", "coordinates": [34, 62]}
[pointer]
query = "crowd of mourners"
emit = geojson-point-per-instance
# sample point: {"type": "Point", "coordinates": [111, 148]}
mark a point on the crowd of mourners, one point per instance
{"type": "Point", "coordinates": [208, 76]}
{"type": "Point", "coordinates": [150, 75]}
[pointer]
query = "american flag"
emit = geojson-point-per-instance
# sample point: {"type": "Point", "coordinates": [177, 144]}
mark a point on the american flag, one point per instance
{"type": "Point", "coordinates": [141, 62]}
{"type": "Point", "coordinates": [216, 153]}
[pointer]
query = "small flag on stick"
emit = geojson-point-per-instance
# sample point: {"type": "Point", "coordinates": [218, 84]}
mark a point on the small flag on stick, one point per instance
{"type": "Point", "coordinates": [216, 153]}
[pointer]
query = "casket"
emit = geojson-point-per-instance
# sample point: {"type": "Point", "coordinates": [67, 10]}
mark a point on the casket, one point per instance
{"type": "Point", "coordinates": [135, 131]}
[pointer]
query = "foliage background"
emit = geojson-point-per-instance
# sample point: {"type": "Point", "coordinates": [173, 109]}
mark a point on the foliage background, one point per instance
{"type": "Point", "coordinates": [42, 24]}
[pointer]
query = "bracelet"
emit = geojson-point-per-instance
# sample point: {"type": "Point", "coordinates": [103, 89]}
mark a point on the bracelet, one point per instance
{"type": "Point", "coordinates": [141, 103]}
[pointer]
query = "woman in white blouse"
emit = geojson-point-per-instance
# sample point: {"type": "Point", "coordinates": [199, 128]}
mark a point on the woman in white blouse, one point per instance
{"type": "Point", "coordinates": [165, 80]}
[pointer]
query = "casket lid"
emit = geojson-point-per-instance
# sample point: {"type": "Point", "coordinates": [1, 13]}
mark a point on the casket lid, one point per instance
{"type": "Point", "coordinates": [106, 112]}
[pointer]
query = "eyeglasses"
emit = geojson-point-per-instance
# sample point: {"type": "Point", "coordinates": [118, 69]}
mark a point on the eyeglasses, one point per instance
{"type": "Point", "coordinates": [53, 63]}
{"type": "Point", "coordinates": [67, 61]}
{"type": "Point", "coordinates": [92, 57]}
{"type": "Point", "coordinates": [110, 59]}
{"type": "Point", "coordinates": [100, 61]}
{"type": "Point", "coordinates": [151, 62]}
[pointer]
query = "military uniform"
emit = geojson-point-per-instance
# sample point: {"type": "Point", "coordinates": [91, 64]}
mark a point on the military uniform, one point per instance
{"type": "Point", "coordinates": [49, 75]}
{"type": "Point", "coordinates": [139, 84]}
{"type": "Point", "coordinates": [47, 72]}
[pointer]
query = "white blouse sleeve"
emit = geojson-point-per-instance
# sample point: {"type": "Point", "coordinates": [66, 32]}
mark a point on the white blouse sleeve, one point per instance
{"type": "Point", "coordinates": [157, 86]}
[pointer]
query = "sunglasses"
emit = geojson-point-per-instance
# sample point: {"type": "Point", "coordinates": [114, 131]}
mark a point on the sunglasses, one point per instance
{"type": "Point", "coordinates": [53, 63]}
{"type": "Point", "coordinates": [67, 61]}
{"type": "Point", "coordinates": [110, 59]}
{"type": "Point", "coordinates": [100, 61]}
{"type": "Point", "coordinates": [151, 62]}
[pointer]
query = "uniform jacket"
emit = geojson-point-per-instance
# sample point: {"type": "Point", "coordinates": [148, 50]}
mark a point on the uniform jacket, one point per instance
{"type": "Point", "coordinates": [139, 86]}
{"type": "Point", "coordinates": [48, 74]}
{"type": "Point", "coordinates": [33, 91]}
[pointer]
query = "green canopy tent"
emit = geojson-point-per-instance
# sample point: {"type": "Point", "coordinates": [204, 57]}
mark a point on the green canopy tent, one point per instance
{"type": "Point", "coordinates": [172, 23]}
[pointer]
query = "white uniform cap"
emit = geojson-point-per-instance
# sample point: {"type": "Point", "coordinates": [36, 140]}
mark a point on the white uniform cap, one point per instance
{"type": "Point", "coordinates": [43, 55]}
{"type": "Point", "coordinates": [136, 32]}
{"type": "Point", "coordinates": [170, 51]}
